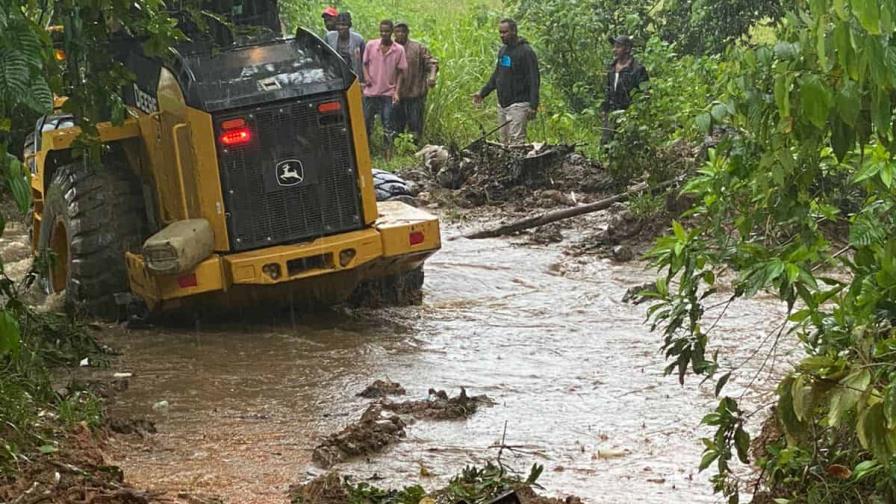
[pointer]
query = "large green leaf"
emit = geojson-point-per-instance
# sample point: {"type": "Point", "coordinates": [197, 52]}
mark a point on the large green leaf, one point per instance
{"type": "Point", "coordinates": [815, 101]}
{"type": "Point", "coordinates": [868, 13]}
{"type": "Point", "coordinates": [40, 99]}
{"type": "Point", "coordinates": [14, 73]}
{"type": "Point", "coordinates": [10, 336]}
{"type": "Point", "coordinates": [19, 186]}
{"type": "Point", "coordinates": [847, 394]}
{"type": "Point", "coordinates": [843, 138]}
{"type": "Point", "coordinates": [874, 434]}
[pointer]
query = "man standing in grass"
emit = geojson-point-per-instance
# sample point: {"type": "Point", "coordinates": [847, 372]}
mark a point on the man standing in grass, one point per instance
{"type": "Point", "coordinates": [348, 43]}
{"type": "Point", "coordinates": [384, 66]}
{"type": "Point", "coordinates": [624, 76]}
{"type": "Point", "coordinates": [517, 79]}
{"type": "Point", "coordinates": [420, 77]}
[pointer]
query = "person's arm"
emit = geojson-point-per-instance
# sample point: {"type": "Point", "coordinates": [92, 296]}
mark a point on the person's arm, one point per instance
{"type": "Point", "coordinates": [365, 61]}
{"type": "Point", "coordinates": [608, 88]}
{"type": "Point", "coordinates": [534, 80]}
{"type": "Point", "coordinates": [432, 67]}
{"type": "Point", "coordinates": [490, 86]}
{"type": "Point", "coordinates": [402, 69]}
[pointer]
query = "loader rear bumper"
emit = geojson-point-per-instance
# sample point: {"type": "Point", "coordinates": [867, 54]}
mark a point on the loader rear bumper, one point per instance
{"type": "Point", "coordinates": [400, 240]}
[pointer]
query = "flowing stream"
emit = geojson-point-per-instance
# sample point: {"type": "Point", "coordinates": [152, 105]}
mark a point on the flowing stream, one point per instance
{"type": "Point", "coordinates": [576, 375]}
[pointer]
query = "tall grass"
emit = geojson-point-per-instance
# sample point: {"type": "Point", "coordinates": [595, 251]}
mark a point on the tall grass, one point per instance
{"type": "Point", "coordinates": [463, 35]}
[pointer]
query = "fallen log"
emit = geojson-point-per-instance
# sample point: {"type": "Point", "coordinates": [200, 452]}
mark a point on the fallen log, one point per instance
{"type": "Point", "coordinates": [566, 213]}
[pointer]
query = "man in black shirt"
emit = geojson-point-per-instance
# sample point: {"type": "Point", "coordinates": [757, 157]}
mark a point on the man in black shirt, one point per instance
{"type": "Point", "coordinates": [517, 79]}
{"type": "Point", "coordinates": [624, 76]}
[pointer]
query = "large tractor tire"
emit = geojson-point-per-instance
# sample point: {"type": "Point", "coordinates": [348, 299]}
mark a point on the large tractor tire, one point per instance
{"type": "Point", "coordinates": [91, 217]}
{"type": "Point", "coordinates": [401, 289]}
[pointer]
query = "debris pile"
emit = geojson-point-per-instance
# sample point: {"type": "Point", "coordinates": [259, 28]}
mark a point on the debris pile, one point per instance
{"type": "Point", "coordinates": [74, 471]}
{"type": "Point", "coordinates": [382, 388]}
{"type": "Point", "coordinates": [490, 485]}
{"type": "Point", "coordinates": [439, 406]}
{"type": "Point", "coordinates": [488, 173]}
{"type": "Point", "coordinates": [382, 425]}
{"type": "Point", "coordinates": [375, 431]}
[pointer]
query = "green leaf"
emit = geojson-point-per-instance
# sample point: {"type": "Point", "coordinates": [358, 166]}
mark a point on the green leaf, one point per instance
{"type": "Point", "coordinates": [679, 231]}
{"type": "Point", "coordinates": [890, 406]}
{"type": "Point", "coordinates": [868, 13]}
{"type": "Point", "coordinates": [843, 138]}
{"type": "Point", "coordinates": [708, 458]}
{"type": "Point", "coordinates": [48, 449]}
{"type": "Point", "coordinates": [847, 394]}
{"type": "Point", "coordinates": [815, 101]}
{"type": "Point", "coordinates": [742, 443]}
{"type": "Point", "coordinates": [14, 73]}
{"type": "Point", "coordinates": [722, 382]}
{"type": "Point", "coordinates": [10, 336]}
{"type": "Point", "coordinates": [803, 398]}
{"type": "Point", "coordinates": [865, 469]}
{"type": "Point", "coordinates": [873, 433]}
{"type": "Point", "coordinates": [704, 123]}
{"type": "Point", "coordinates": [17, 179]}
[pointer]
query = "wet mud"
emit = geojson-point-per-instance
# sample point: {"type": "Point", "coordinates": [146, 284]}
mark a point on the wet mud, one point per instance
{"type": "Point", "coordinates": [382, 388]}
{"type": "Point", "coordinates": [376, 430]}
{"type": "Point", "coordinates": [382, 424]}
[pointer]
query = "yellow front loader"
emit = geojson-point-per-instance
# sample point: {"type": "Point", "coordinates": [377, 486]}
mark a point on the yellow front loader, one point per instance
{"type": "Point", "coordinates": [240, 176]}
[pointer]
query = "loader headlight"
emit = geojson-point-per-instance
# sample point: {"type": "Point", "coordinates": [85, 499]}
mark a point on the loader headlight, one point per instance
{"type": "Point", "coordinates": [272, 270]}
{"type": "Point", "coordinates": [346, 257]}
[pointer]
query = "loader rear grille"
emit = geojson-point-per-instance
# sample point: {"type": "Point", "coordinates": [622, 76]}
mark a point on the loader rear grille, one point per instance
{"type": "Point", "coordinates": [294, 180]}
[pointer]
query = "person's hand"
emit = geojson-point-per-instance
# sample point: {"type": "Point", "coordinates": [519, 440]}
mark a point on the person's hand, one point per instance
{"type": "Point", "coordinates": [531, 113]}
{"type": "Point", "coordinates": [477, 99]}
{"type": "Point", "coordinates": [395, 99]}
{"type": "Point", "coordinates": [431, 82]}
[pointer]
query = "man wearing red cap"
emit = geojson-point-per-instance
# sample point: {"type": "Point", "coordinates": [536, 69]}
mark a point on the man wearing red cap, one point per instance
{"type": "Point", "coordinates": [329, 15]}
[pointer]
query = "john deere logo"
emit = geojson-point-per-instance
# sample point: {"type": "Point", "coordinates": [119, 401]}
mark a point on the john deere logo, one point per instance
{"type": "Point", "coordinates": [290, 172]}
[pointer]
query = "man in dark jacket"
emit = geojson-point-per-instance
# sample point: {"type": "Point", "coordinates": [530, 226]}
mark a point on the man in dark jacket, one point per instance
{"type": "Point", "coordinates": [624, 76]}
{"type": "Point", "coordinates": [517, 79]}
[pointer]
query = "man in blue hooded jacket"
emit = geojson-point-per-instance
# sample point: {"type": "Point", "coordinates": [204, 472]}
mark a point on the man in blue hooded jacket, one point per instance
{"type": "Point", "coordinates": [518, 82]}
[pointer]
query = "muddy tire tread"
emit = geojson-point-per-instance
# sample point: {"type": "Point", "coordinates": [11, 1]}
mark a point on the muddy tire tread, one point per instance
{"type": "Point", "coordinates": [103, 212]}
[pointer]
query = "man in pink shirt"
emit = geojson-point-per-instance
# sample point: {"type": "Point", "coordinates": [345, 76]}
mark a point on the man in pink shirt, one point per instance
{"type": "Point", "coordinates": [384, 66]}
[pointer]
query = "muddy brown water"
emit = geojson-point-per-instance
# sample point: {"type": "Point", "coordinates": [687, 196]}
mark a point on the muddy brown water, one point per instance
{"type": "Point", "coordinates": [577, 377]}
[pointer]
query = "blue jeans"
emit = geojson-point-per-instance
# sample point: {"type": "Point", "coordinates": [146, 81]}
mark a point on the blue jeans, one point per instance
{"type": "Point", "coordinates": [380, 106]}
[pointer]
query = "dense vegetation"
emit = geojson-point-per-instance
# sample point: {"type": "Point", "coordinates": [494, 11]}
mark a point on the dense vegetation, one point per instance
{"type": "Point", "coordinates": [796, 199]}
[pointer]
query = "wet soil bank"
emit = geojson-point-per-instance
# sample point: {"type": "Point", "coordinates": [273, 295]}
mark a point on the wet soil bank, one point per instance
{"type": "Point", "coordinates": [576, 379]}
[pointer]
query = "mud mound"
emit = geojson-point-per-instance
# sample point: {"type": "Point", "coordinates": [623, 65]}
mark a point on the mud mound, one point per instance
{"type": "Point", "coordinates": [332, 488]}
{"type": "Point", "coordinates": [382, 388]}
{"type": "Point", "coordinates": [440, 407]}
{"type": "Point", "coordinates": [371, 434]}
{"type": "Point", "coordinates": [141, 427]}
{"type": "Point", "coordinates": [77, 473]}
{"type": "Point", "coordinates": [626, 237]}
{"type": "Point", "coordinates": [327, 489]}
{"type": "Point", "coordinates": [528, 496]}
{"type": "Point", "coordinates": [492, 174]}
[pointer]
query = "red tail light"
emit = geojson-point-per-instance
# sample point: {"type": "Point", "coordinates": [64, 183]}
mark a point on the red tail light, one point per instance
{"type": "Point", "coordinates": [239, 122]}
{"type": "Point", "coordinates": [234, 137]}
{"type": "Point", "coordinates": [416, 238]}
{"type": "Point", "coordinates": [187, 281]}
{"type": "Point", "coordinates": [333, 106]}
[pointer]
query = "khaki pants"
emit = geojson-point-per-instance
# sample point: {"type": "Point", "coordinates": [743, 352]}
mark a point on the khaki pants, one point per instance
{"type": "Point", "coordinates": [517, 117]}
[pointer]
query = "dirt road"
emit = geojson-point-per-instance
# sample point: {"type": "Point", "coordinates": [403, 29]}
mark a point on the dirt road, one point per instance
{"type": "Point", "coordinates": [576, 375]}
